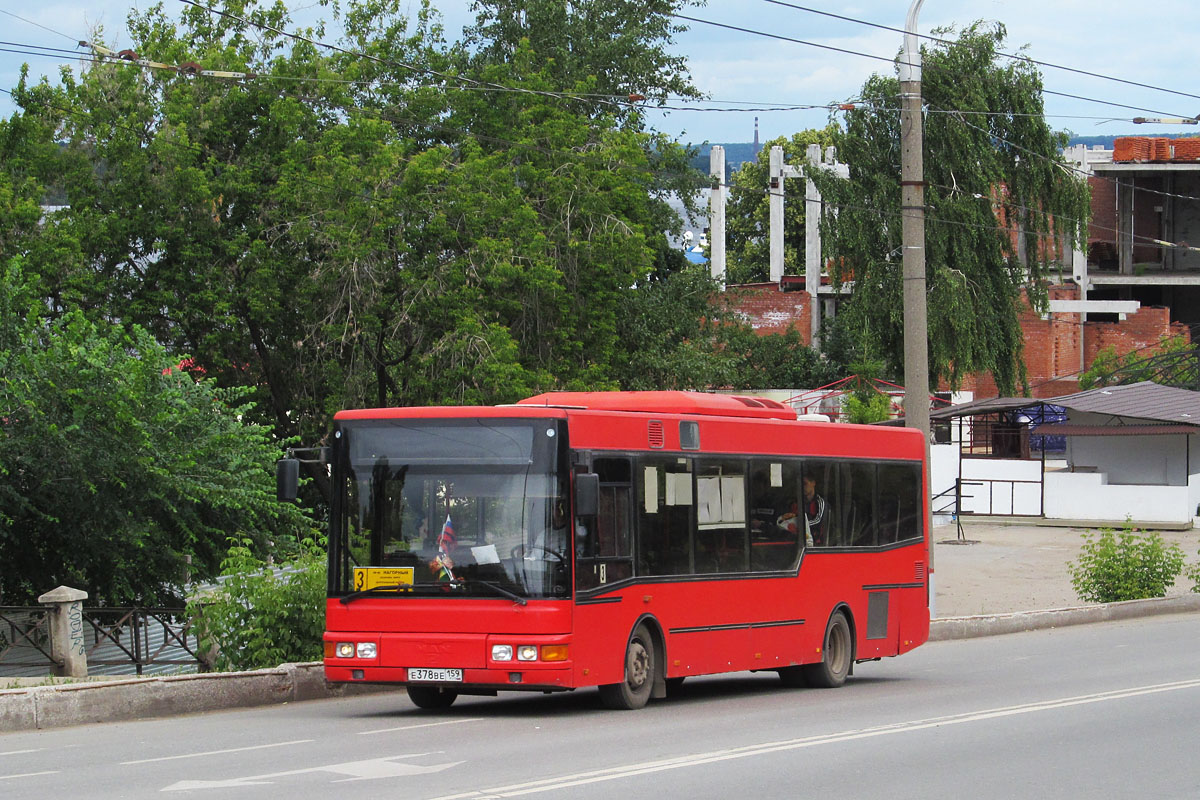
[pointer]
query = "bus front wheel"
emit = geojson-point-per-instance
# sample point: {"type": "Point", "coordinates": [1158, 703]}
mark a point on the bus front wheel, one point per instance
{"type": "Point", "coordinates": [634, 691]}
{"type": "Point", "coordinates": [836, 656]}
{"type": "Point", "coordinates": [431, 697]}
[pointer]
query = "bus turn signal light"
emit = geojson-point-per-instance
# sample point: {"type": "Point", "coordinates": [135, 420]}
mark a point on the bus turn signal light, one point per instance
{"type": "Point", "coordinates": [554, 652]}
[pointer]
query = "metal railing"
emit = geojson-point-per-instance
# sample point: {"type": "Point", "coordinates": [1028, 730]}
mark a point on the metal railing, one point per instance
{"type": "Point", "coordinates": [119, 641]}
{"type": "Point", "coordinates": [142, 637]}
{"type": "Point", "coordinates": [25, 637]}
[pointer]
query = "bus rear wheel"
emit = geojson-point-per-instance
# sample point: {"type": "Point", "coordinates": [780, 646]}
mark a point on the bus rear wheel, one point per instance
{"type": "Point", "coordinates": [640, 664]}
{"type": "Point", "coordinates": [431, 697]}
{"type": "Point", "coordinates": [836, 656]}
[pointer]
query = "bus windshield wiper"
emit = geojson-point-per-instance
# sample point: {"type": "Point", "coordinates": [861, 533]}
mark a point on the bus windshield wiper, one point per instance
{"type": "Point", "coordinates": [391, 587]}
{"type": "Point", "coordinates": [462, 582]}
{"type": "Point", "coordinates": [495, 587]}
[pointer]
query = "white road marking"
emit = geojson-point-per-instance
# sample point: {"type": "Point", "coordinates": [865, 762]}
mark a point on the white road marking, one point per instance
{"type": "Point", "coordinates": [630, 770]}
{"type": "Point", "coordinates": [354, 770]}
{"type": "Point", "coordinates": [28, 774]}
{"type": "Point", "coordinates": [215, 752]}
{"type": "Point", "coordinates": [21, 752]}
{"type": "Point", "coordinates": [422, 725]}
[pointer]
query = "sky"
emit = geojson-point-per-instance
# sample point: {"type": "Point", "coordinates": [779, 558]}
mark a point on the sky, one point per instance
{"type": "Point", "coordinates": [742, 70]}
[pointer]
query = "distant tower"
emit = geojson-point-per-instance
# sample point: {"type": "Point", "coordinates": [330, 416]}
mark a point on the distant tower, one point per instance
{"type": "Point", "coordinates": [757, 146]}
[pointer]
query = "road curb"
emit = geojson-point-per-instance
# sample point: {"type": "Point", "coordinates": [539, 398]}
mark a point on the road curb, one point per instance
{"type": "Point", "coordinates": [1020, 621]}
{"type": "Point", "coordinates": [40, 707]}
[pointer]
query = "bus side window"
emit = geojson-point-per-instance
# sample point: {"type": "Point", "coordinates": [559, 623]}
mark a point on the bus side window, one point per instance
{"type": "Point", "coordinates": [665, 518]}
{"type": "Point", "coordinates": [604, 553]}
{"type": "Point", "coordinates": [614, 520]}
{"type": "Point", "coordinates": [899, 502]}
{"type": "Point", "coordinates": [857, 503]}
{"type": "Point", "coordinates": [720, 516]}
{"type": "Point", "coordinates": [776, 530]}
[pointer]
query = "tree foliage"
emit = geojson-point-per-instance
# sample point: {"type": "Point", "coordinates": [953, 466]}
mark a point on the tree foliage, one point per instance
{"type": "Point", "coordinates": [262, 615]}
{"type": "Point", "coordinates": [1172, 363]}
{"type": "Point", "coordinates": [404, 221]}
{"type": "Point", "coordinates": [119, 474]}
{"type": "Point", "coordinates": [992, 166]}
{"type": "Point", "coordinates": [452, 225]}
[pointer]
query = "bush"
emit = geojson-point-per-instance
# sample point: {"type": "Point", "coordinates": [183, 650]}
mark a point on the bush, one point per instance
{"type": "Point", "coordinates": [1125, 565]}
{"type": "Point", "coordinates": [262, 616]}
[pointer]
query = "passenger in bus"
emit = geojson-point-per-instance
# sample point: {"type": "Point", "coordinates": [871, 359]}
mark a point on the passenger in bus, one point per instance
{"type": "Point", "coordinates": [772, 515]}
{"type": "Point", "coordinates": [816, 511]}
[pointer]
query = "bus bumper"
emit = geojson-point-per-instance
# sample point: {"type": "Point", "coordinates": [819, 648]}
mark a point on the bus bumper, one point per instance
{"type": "Point", "coordinates": [518, 676]}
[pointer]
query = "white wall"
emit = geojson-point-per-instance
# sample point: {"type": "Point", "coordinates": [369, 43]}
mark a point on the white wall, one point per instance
{"type": "Point", "coordinates": [1001, 486]}
{"type": "Point", "coordinates": [1153, 460]}
{"type": "Point", "coordinates": [1089, 496]}
{"type": "Point", "coordinates": [943, 472]}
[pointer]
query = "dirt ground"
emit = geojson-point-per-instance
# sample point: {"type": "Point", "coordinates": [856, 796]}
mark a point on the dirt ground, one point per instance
{"type": "Point", "coordinates": [1019, 567]}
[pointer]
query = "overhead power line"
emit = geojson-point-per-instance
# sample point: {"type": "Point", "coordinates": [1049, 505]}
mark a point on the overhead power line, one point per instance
{"type": "Point", "coordinates": [872, 56]}
{"type": "Point", "coordinates": [1013, 56]}
{"type": "Point", "coordinates": [37, 25]}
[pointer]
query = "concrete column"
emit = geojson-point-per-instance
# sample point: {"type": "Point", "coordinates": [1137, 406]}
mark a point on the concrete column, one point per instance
{"type": "Point", "coordinates": [1169, 261]}
{"type": "Point", "coordinates": [775, 206]}
{"type": "Point", "coordinates": [66, 631]}
{"type": "Point", "coordinates": [716, 214]}
{"type": "Point", "coordinates": [812, 242]}
{"type": "Point", "coordinates": [1125, 225]}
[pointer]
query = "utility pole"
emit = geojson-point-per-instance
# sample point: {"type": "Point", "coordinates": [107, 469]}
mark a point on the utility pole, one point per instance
{"type": "Point", "coordinates": [912, 237]}
{"type": "Point", "coordinates": [912, 231]}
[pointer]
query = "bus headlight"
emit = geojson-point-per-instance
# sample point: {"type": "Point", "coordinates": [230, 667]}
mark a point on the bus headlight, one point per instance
{"type": "Point", "coordinates": [502, 652]}
{"type": "Point", "coordinates": [366, 649]}
{"type": "Point", "coordinates": [527, 652]}
{"type": "Point", "coordinates": [345, 649]}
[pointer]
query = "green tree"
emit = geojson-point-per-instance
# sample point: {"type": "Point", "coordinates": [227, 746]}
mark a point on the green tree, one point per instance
{"type": "Point", "coordinates": [1171, 363]}
{"type": "Point", "coordinates": [606, 50]}
{"type": "Point", "coordinates": [747, 215]}
{"type": "Point", "coordinates": [866, 403]}
{"type": "Point", "coordinates": [120, 474]}
{"type": "Point", "coordinates": [992, 165]}
{"type": "Point", "coordinates": [776, 361]}
{"type": "Point", "coordinates": [421, 235]}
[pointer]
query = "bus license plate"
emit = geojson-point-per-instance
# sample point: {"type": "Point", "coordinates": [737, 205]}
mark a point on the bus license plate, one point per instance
{"type": "Point", "coordinates": [442, 675]}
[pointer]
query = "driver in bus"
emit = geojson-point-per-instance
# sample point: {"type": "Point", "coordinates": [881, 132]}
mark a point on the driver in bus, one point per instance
{"type": "Point", "coordinates": [553, 540]}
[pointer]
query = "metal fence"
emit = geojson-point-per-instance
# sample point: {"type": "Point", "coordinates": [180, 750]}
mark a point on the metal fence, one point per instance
{"type": "Point", "coordinates": [119, 641]}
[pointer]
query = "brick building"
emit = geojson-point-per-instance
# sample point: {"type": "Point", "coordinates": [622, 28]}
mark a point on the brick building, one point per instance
{"type": "Point", "coordinates": [1058, 345]}
{"type": "Point", "coordinates": [1137, 283]}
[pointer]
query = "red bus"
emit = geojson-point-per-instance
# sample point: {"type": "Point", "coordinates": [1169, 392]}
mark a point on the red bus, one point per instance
{"type": "Point", "coordinates": [623, 540]}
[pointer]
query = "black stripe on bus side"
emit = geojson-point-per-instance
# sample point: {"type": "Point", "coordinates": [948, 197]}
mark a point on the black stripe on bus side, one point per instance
{"type": "Point", "coordinates": [874, 587]}
{"type": "Point", "coordinates": [778, 623]}
{"type": "Point", "coordinates": [875, 548]}
{"type": "Point", "coordinates": [737, 626]}
{"type": "Point", "coordinates": [647, 580]}
{"type": "Point", "coordinates": [595, 601]}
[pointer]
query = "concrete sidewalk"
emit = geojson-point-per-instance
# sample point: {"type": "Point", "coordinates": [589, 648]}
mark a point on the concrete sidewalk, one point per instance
{"type": "Point", "coordinates": [1019, 566]}
{"type": "Point", "coordinates": [1010, 578]}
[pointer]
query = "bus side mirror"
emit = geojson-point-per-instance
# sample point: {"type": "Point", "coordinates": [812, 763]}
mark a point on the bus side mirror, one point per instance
{"type": "Point", "coordinates": [587, 494]}
{"type": "Point", "coordinates": [287, 479]}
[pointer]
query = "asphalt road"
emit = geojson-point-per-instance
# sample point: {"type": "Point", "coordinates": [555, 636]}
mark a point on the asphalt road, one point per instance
{"type": "Point", "coordinates": [1097, 711]}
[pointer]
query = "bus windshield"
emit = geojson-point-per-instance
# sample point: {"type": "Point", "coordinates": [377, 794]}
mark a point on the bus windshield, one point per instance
{"type": "Point", "coordinates": [456, 508]}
